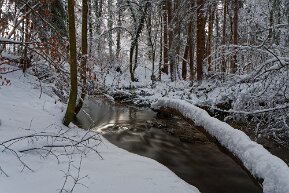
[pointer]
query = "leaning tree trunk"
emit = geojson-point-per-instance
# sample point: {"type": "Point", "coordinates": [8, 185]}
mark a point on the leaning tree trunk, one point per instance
{"type": "Point", "coordinates": [135, 58]}
{"type": "Point", "coordinates": [73, 65]}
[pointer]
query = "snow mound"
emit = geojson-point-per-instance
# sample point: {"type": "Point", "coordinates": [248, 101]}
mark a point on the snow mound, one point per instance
{"type": "Point", "coordinates": [254, 156]}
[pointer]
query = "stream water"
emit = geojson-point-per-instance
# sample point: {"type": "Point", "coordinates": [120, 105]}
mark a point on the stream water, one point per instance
{"type": "Point", "coordinates": [190, 155]}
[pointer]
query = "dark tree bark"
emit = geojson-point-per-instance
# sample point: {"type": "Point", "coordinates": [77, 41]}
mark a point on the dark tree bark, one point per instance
{"type": "Point", "coordinates": [191, 44]}
{"type": "Point", "coordinates": [191, 51]}
{"type": "Point", "coordinates": [175, 26]}
{"type": "Point", "coordinates": [161, 49]}
{"type": "Point", "coordinates": [201, 36]}
{"type": "Point", "coordinates": [73, 65]}
{"type": "Point", "coordinates": [223, 67]}
{"type": "Point", "coordinates": [135, 39]}
{"type": "Point", "coordinates": [90, 26]}
{"type": "Point", "coordinates": [170, 35]}
{"type": "Point", "coordinates": [165, 68]}
{"type": "Point", "coordinates": [119, 24]}
{"type": "Point", "coordinates": [233, 66]}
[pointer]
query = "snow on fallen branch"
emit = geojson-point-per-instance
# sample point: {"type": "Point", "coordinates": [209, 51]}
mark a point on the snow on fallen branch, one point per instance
{"type": "Point", "coordinates": [261, 163]}
{"type": "Point", "coordinates": [282, 107]}
{"type": "Point", "coordinates": [9, 41]}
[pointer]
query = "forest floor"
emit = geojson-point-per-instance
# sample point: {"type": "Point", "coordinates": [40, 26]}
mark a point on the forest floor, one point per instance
{"type": "Point", "coordinates": [39, 154]}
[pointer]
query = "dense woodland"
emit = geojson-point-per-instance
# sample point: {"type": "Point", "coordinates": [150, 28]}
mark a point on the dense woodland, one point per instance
{"type": "Point", "coordinates": [239, 48]}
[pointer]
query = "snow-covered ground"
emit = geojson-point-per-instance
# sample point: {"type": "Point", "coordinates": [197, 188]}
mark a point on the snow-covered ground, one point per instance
{"type": "Point", "coordinates": [44, 160]}
{"type": "Point", "coordinates": [255, 157]}
{"type": "Point", "coordinates": [251, 103]}
{"type": "Point", "coordinates": [39, 154]}
{"type": "Point", "coordinates": [145, 93]}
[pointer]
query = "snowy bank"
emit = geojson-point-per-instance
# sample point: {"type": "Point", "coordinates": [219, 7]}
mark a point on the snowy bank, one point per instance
{"type": "Point", "coordinates": [25, 111]}
{"type": "Point", "coordinates": [255, 157]}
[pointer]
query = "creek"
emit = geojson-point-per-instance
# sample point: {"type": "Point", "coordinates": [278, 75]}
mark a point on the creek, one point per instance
{"type": "Point", "coordinates": [170, 141]}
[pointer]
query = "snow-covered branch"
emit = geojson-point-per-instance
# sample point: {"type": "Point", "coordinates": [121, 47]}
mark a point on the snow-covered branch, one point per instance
{"type": "Point", "coordinates": [255, 157]}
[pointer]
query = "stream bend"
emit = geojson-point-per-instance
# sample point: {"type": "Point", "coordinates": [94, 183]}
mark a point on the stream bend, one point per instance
{"type": "Point", "coordinates": [190, 155]}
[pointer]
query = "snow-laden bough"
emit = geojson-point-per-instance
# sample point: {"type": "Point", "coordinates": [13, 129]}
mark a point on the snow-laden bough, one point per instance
{"type": "Point", "coordinates": [261, 163]}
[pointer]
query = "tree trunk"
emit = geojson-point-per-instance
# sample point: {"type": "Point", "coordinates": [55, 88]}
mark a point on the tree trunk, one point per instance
{"type": "Point", "coordinates": [223, 67]}
{"type": "Point", "coordinates": [110, 25]}
{"type": "Point", "coordinates": [191, 45]}
{"type": "Point", "coordinates": [149, 35]}
{"type": "Point", "coordinates": [150, 43]}
{"type": "Point", "coordinates": [191, 52]}
{"type": "Point", "coordinates": [131, 71]}
{"type": "Point", "coordinates": [90, 27]}
{"type": "Point", "coordinates": [176, 40]}
{"type": "Point", "coordinates": [166, 40]}
{"type": "Point", "coordinates": [73, 65]}
{"type": "Point", "coordinates": [119, 24]}
{"type": "Point", "coordinates": [165, 68]}
{"type": "Point", "coordinates": [218, 37]}
{"type": "Point", "coordinates": [171, 56]}
{"type": "Point", "coordinates": [135, 57]}
{"type": "Point", "coordinates": [161, 49]}
{"type": "Point", "coordinates": [83, 55]}
{"type": "Point", "coordinates": [233, 66]}
{"type": "Point", "coordinates": [172, 21]}
{"type": "Point", "coordinates": [185, 58]}
{"type": "Point", "coordinates": [98, 13]}
{"type": "Point", "coordinates": [201, 36]}
{"type": "Point", "coordinates": [135, 38]}
{"type": "Point", "coordinates": [25, 60]}
{"type": "Point", "coordinates": [210, 35]}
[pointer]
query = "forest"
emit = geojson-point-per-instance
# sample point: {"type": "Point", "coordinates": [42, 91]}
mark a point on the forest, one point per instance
{"type": "Point", "coordinates": [202, 72]}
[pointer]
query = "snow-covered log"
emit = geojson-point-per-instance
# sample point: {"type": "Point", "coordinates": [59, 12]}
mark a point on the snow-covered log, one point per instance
{"type": "Point", "coordinates": [262, 164]}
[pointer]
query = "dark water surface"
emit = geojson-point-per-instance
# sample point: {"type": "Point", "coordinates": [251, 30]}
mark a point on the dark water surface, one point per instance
{"type": "Point", "coordinates": [199, 162]}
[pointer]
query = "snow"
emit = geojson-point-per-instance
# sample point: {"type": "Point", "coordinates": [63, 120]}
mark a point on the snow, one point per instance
{"type": "Point", "coordinates": [7, 41]}
{"type": "Point", "coordinates": [255, 157]}
{"type": "Point", "coordinates": [23, 112]}
{"type": "Point", "coordinates": [10, 56]}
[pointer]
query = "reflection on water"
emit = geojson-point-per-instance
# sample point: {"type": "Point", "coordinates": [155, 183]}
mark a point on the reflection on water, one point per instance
{"type": "Point", "coordinates": [199, 163]}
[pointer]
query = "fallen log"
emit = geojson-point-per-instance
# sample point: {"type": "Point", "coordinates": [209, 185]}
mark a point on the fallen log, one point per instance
{"type": "Point", "coordinates": [269, 171]}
